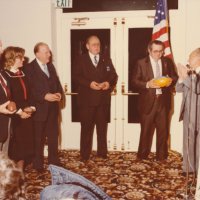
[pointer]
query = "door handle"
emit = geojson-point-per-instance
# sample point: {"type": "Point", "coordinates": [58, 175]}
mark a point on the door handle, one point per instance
{"type": "Point", "coordinates": [113, 93]}
{"type": "Point", "coordinates": [126, 93]}
{"type": "Point", "coordinates": [66, 90]}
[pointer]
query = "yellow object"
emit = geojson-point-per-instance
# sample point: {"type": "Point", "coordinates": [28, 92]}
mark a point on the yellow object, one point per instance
{"type": "Point", "coordinates": [162, 81]}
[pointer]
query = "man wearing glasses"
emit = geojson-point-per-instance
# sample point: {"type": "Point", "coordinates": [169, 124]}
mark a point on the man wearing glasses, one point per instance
{"type": "Point", "coordinates": [154, 101]}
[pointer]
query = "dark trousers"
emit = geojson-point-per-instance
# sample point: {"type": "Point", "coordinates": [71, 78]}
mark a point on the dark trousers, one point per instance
{"type": "Point", "coordinates": [156, 119]}
{"type": "Point", "coordinates": [49, 129]}
{"type": "Point", "coordinates": [91, 116]}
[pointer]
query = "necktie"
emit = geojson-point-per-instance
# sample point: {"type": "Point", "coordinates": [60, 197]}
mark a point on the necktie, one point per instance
{"type": "Point", "coordinates": [95, 60]}
{"type": "Point", "coordinates": [22, 84]}
{"type": "Point", "coordinates": [5, 87]}
{"type": "Point", "coordinates": [158, 74]}
{"type": "Point", "coordinates": [45, 69]}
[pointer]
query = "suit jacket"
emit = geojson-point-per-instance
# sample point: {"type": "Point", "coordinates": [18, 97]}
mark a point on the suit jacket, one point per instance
{"type": "Point", "coordinates": [144, 73]}
{"type": "Point", "coordinates": [85, 72]}
{"type": "Point", "coordinates": [185, 87]}
{"type": "Point", "coordinates": [40, 85]}
{"type": "Point", "coordinates": [4, 119]}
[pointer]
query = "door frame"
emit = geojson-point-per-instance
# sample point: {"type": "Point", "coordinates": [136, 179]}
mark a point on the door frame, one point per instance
{"type": "Point", "coordinates": [121, 135]}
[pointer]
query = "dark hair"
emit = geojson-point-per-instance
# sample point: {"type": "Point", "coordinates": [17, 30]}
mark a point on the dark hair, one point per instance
{"type": "Point", "coordinates": [157, 42]}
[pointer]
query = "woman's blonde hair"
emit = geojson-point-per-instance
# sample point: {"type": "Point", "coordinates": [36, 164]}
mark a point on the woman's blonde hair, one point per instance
{"type": "Point", "coordinates": [10, 54]}
{"type": "Point", "coordinates": [11, 180]}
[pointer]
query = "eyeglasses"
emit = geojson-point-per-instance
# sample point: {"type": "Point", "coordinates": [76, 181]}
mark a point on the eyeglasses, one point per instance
{"type": "Point", "coordinates": [157, 51]}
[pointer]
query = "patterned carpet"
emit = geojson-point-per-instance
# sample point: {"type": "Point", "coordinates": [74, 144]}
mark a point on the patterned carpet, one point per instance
{"type": "Point", "coordinates": [121, 176]}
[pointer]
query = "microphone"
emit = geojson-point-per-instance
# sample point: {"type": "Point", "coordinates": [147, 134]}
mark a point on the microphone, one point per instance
{"type": "Point", "coordinates": [190, 70]}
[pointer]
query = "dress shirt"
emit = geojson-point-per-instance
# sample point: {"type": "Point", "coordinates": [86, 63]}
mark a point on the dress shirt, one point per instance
{"type": "Point", "coordinates": [92, 58]}
{"type": "Point", "coordinates": [154, 65]}
{"type": "Point", "coordinates": [42, 66]}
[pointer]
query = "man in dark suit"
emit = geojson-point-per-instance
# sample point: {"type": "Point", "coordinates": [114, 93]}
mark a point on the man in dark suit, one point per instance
{"type": "Point", "coordinates": [96, 77]}
{"type": "Point", "coordinates": [154, 102]}
{"type": "Point", "coordinates": [46, 93]}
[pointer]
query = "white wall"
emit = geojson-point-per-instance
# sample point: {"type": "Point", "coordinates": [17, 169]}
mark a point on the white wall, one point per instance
{"type": "Point", "coordinates": [26, 22]}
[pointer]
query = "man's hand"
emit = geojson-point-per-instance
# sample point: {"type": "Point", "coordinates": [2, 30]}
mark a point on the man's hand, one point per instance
{"type": "Point", "coordinates": [152, 84]}
{"type": "Point", "coordinates": [52, 97]}
{"type": "Point", "coordinates": [182, 71]}
{"type": "Point", "coordinates": [58, 95]}
{"type": "Point", "coordinates": [24, 115]}
{"type": "Point", "coordinates": [4, 110]}
{"type": "Point", "coordinates": [29, 110]}
{"type": "Point", "coordinates": [95, 86]}
{"type": "Point", "coordinates": [170, 82]}
{"type": "Point", "coordinates": [105, 85]}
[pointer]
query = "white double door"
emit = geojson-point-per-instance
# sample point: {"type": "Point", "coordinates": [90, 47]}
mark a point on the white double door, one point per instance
{"type": "Point", "coordinates": [117, 27]}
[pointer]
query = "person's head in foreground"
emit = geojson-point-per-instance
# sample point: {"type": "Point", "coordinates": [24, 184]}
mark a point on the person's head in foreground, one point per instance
{"type": "Point", "coordinates": [11, 180]}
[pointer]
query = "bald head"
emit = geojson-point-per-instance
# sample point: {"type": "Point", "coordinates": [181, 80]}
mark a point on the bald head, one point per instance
{"type": "Point", "coordinates": [42, 52]}
{"type": "Point", "coordinates": [93, 45]}
{"type": "Point", "coordinates": [194, 58]}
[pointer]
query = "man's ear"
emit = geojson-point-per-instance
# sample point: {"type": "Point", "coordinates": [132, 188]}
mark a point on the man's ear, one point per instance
{"type": "Point", "coordinates": [87, 46]}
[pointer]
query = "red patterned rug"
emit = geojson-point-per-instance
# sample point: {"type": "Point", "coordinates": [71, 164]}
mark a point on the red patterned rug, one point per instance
{"type": "Point", "coordinates": [121, 176]}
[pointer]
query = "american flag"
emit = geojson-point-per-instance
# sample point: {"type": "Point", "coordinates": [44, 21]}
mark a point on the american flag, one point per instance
{"type": "Point", "coordinates": [161, 26]}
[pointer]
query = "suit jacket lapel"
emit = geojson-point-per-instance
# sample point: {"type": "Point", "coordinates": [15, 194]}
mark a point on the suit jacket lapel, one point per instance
{"type": "Point", "coordinates": [101, 60]}
{"type": "Point", "coordinates": [50, 69]}
{"type": "Point", "coordinates": [90, 63]}
{"type": "Point", "coordinates": [149, 69]}
{"type": "Point", "coordinates": [39, 70]}
{"type": "Point", "coordinates": [164, 67]}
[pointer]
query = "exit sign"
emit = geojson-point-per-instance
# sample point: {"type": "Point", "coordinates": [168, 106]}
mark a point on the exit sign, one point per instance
{"type": "Point", "coordinates": [64, 3]}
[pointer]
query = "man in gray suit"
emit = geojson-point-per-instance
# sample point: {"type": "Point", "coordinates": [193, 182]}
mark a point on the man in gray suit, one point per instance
{"type": "Point", "coordinates": [189, 85]}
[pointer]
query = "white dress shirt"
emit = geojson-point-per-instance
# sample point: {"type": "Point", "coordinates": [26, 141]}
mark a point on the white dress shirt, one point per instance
{"type": "Point", "coordinates": [92, 58]}
{"type": "Point", "coordinates": [154, 65]}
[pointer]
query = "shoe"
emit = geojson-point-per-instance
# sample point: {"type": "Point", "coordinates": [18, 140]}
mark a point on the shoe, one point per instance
{"type": "Point", "coordinates": [59, 164]}
{"type": "Point", "coordinates": [162, 161]}
{"type": "Point", "coordinates": [103, 156]}
{"type": "Point", "coordinates": [141, 158]}
{"type": "Point", "coordinates": [83, 159]}
{"type": "Point", "coordinates": [189, 173]}
{"type": "Point", "coordinates": [39, 170]}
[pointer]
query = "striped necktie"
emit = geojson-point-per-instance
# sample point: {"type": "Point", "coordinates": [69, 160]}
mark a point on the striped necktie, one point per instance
{"type": "Point", "coordinates": [45, 69]}
{"type": "Point", "coordinates": [95, 60]}
{"type": "Point", "coordinates": [158, 74]}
